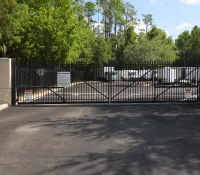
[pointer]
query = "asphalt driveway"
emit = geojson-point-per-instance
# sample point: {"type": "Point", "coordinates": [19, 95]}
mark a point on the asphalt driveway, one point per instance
{"type": "Point", "coordinates": [95, 140]}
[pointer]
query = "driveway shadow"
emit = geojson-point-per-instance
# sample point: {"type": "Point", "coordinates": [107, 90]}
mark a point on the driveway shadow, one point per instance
{"type": "Point", "coordinates": [155, 140]}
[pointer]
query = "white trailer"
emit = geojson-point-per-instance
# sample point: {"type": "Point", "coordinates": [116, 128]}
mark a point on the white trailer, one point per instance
{"type": "Point", "coordinates": [167, 75]}
{"type": "Point", "coordinates": [186, 75]}
{"type": "Point", "coordinates": [143, 74]}
{"type": "Point", "coordinates": [118, 74]}
{"type": "Point", "coordinates": [125, 75]}
{"type": "Point", "coordinates": [147, 74]}
{"type": "Point", "coordinates": [179, 73]}
{"type": "Point", "coordinates": [191, 73]}
{"type": "Point", "coordinates": [133, 75]}
{"type": "Point", "coordinates": [105, 73]}
{"type": "Point", "coordinates": [129, 74]}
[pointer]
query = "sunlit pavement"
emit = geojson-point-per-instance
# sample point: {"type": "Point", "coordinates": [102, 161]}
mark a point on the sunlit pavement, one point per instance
{"type": "Point", "coordinates": [110, 140]}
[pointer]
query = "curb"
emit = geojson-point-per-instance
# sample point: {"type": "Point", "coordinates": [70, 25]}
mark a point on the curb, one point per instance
{"type": "Point", "coordinates": [3, 106]}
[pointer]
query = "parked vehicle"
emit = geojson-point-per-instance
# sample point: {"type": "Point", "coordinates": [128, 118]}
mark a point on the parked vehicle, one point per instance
{"type": "Point", "coordinates": [129, 75]}
{"type": "Point", "coordinates": [148, 74]}
{"type": "Point", "coordinates": [105, 74]}
{"type": "Point", "coordinates": [118, 74]}
{"type": "Point", "coordinates": [133, 75]}
{"type": "Point", "coordinates": [187, 75]}
{"type": "Point", "coordinates": [167, 75]}
{"type": "Point", "coordinates": [143, 74]}
{"type": "Point", "coordinates": [180, 75]}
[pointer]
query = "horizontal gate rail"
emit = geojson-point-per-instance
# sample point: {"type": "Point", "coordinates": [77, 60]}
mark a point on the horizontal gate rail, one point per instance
{"type": "Point", "coordinates": [174, 84]}
{"type": "Point", "coordinates": [179, 86]}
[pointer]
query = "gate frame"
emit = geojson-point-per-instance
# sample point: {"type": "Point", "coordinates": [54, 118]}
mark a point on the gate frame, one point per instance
{"type": "Point", "coordinates": [109, 97]}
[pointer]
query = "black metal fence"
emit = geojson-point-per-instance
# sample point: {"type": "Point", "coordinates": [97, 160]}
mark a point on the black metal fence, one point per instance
{"type": "Point", "coordinates": [110, 83]}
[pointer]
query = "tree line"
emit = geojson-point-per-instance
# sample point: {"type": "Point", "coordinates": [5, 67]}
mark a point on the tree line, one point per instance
{"type": "Point", "coordinates": [65, 31]}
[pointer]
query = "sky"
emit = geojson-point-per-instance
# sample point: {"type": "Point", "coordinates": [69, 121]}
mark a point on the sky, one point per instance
{"type": "Point", "coordinates": [173, 16]}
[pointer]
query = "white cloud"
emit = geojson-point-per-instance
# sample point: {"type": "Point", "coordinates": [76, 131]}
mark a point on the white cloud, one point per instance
{"type": "Point", "coordinates": [183, 25]}
{"type": "Point", "coordinates": [167, 33]}
{"type": "Point", "coordinates": [139, 27]}
{"type": "Point", "coordinates": [190, 1]}
{"type": "Point", "coordinates": [98, 25]}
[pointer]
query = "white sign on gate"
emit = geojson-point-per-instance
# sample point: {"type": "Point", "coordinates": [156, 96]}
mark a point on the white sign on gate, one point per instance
{"type": "Point", "coordinates": [63, 79]}
{"type": "Point", "coordinates": [188, 93]}
{"type": "Point", "coordinates": [28, 95]}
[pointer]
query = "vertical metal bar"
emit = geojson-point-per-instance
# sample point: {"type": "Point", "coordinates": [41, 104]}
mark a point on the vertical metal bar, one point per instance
{"type": "Point", "coordinates": [13, 88]}
{"type": "Point", "coordinates": [198, 100]}
{"type": "Point", "coordinates": [180, 89]}
{"type": "Point", "coordinates": [177, 73]}
{"type": "Point", "coordinates": [167, 81]}
{"type": "Point", "coordinates": [23, 85]}
{"type": "Point", "coordinates": [121, 96]}
{"type": "Point", "coordinates": [109, 92]}
{"type": "Point", "coordinates": [132, 67]}
{"type": "Point", "coordinates": [172, 88]}
{"type": "Point", "coordinates": [152, 81]}
{"type": "Point", "coordinates": [85, 94]}
{"type": "Point", "coordinates": [136, 92]}
{"type": "Point", "coordinates": [49, 84]}
{"type": "Point", "coordinates": [70, 91]}
{"type": "Point", "coordinates": [46, 85]}
{"type": "Point", "coordinates": [96, 95]}
{"type": "Point", "coordinates": [63, 90]}
{"type": "Point", "coordinates": [33, 74]}
{"type": "Point", "coordinates": [171, 78]}
{"type": "Point", "coordinates": [154, 90]}
{"type": "Point", "coordinates": [138, 85]}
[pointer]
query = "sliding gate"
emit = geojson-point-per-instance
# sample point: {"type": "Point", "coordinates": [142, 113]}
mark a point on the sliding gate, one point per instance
{"type": "Point", "coordinates": [130, 83]}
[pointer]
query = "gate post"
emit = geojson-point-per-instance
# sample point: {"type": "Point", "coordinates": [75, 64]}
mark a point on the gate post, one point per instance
{"type": "Point", "coordinates": [5, 80]}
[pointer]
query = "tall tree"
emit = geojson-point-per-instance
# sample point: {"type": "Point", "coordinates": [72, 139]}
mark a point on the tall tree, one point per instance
{"type": "Point", "coordinates": [118, 15]}
{"type": "Point", "coordinates": [102, 50]}
{"type": "Point", "coordinates": [154, 32]}
{"type": "Point", "coordinates": [130, 36]}
{"type": "Point", "coordinates": [183, 43]}
{"type": "Point", "coordinates": [130, 13]}
{"type": "Point", "coordinates": [188, 44]}
{"type": "Point", "coordinates": [89, 11]}
{"type": "Point", "coordinates": [148, 21]}
{"type": "Point", "coordinates": [151, 50]}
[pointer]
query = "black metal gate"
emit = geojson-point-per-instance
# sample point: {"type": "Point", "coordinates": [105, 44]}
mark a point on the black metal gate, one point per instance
{"type": "Point", "coordinates": [130, 83]}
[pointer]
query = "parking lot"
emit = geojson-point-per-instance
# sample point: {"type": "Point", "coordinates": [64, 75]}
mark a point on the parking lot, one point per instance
{"type": "Point", "coordinates": [100, 140]}
{"type": "Point", "coordinates": [118, 91]}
